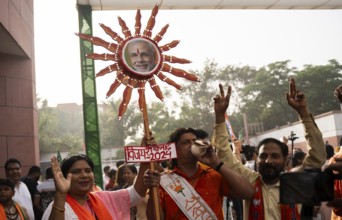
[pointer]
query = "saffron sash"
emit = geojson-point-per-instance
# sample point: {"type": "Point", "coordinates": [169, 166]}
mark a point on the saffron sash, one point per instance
{"type": "Point", "coordinates": [98, 207]}
{"type": "Point", "coordinates": [185, 196]}
{"type": "Point", "coordinates": [20, 212]}
{"type": "Point", "coordinates": [2, 212]}
{"type": "Point", "coordinates": [256, 207]}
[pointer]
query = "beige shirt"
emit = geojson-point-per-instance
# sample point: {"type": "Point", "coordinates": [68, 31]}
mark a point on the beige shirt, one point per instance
{"type": "Point", "coordinates": [314, 159]}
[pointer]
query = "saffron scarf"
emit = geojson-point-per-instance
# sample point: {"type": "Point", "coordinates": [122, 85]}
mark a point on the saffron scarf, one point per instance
{"type": "Point", "coordinates": [20, 212]}
{"type": "Point", "coordinates": [256, 208]}
{"type": "Point", "coordinates": [96, 204]}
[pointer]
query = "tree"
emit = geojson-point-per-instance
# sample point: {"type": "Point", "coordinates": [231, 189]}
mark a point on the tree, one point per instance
{"type": "Point", "coordinates": [318, 84]}
{"type": "Point", "coordinates": [114, 132]}
{"type": "Point", "coordinates": [47, 126]}
{"type": "Point", "coordinates": [59, 129]}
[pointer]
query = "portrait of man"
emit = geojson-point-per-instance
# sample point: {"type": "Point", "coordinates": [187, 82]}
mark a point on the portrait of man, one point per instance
{"type": "Point", "coordinates": [141, 56]}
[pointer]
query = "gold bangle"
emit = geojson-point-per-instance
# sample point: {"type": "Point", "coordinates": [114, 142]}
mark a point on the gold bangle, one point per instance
{"type": "Point", "coordinates": [57, 208]}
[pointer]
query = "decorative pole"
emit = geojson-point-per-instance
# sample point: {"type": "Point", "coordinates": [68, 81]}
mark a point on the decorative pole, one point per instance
{"type": "Point", "coordinates": [155, 193]}
{"type": "Point", "coordinates": [138, 60]}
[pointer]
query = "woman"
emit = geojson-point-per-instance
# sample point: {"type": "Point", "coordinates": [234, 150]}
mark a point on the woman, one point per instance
{"type": "Point", "coordinates": [129, 174]}
{"type": "Point", "coordinates": [119, 178]}
{"type": "Point", "coordinates": [112, 180]}
{"type": "Point", "coordinates": [74, 181]}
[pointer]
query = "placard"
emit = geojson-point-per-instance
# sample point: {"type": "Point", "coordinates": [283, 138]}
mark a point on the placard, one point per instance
{"type": "Point", "coordinates": [160, 152]}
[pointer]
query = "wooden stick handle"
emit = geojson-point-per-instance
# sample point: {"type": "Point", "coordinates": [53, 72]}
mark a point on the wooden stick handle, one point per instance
{"type": "Point", "coordinates": [155, 194]}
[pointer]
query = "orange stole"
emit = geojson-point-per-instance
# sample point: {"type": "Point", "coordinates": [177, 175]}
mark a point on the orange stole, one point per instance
{"type": "Point", "coordinates": [99, 209]}
{"type": "Point", "coordinates": [3, 214]}
{"type": "Point", "coordinates": [256, 209]}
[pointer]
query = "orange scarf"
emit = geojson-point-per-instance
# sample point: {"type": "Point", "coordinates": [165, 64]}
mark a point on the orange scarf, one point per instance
{"type": "Point", "coordinates": [256, 209]}
{"type": "Point", "coordinates": [20, 212]}
{"type": "Point", "coordinates": [337, 188]}
{"type": "Point", "coordinates": [96, 204]}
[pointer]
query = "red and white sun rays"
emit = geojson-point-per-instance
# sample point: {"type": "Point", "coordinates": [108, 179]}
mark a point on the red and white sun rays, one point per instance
{"type": "Point", "coordinates": [125, 74]}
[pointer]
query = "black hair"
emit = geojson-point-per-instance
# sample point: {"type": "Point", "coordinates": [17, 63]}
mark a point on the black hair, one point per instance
{"type": "Point", "coordinates": [175, 136]}
{"type": "Point", "coordinates": [119, 176]}
{"type": "Point", "coordinates": [330, 151]}
{"type": "Point", "coordinates": [106, 168]}
{"type": "Point", "coordinates": [48, 173]}
{"type": "Point", "coordinates": [7, 182]}
{"type": "Point", "coordinates": [34, 169]}
{"type": "Point", "coordinates": [132, 167]}
{"type": "Point", "coordinates": [119, 163]}
{"type": "Point", "coordinates": [69, 161]}
{"type": "Point", "coordinates": [296, 158]}
{"type": "Point", "coordinates": [201, 134]}
{"type": "Point", "coordinates": [111, 173]}
{"type": "Point", "coordinates": [283, 147]}
{"type": "Point", "coordinates": [248, 151]}
{"type": "Point", "coordinates": [12, 160]}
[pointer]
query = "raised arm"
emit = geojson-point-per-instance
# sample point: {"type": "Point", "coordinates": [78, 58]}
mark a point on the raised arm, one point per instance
{"type": "Point", "coordinates": [62, 188]}
{"type": "Point", "coordinates": [316, 148]}
{"type": "Point", "coordinates": [220, 137]}
{"type": "Point", "coordinates": [239, 187]}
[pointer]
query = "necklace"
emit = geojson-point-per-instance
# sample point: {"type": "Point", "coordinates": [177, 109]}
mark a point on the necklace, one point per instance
{"type": "Point", "coordinates": [9, 215]}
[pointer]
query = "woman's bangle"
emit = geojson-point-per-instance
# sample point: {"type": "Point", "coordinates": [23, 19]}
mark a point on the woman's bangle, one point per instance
{"type": "Point", "coordinates": [57, 208]}
{"type": "Point", "coordinates": [219, 166]}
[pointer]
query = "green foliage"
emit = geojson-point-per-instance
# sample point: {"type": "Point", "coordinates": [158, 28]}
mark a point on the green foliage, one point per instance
{"type": "Point", "coordinates": [196, 100]}
{"type": "Point", "coordinates": [114, 132]}
{"type": "Point", "coordinates": [259, 93]}
{"type": "Point", "coordinates": [318, 84]}
{"type": "Point", "coordinates": [59, 129]}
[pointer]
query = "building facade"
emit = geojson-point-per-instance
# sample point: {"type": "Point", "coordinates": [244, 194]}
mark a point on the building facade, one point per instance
{"type": "Point", "coordinates": [330, 124]}
{"type": "Point", "coordinates": [18, 111]}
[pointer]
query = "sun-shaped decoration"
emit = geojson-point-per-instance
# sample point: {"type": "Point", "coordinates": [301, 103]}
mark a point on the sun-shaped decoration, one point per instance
{"type": "Point", "coordinates": [138, 59]}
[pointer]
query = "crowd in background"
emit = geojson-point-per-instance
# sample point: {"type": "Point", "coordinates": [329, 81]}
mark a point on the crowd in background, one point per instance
{"type": "Point", "coordinates": [230, 171]}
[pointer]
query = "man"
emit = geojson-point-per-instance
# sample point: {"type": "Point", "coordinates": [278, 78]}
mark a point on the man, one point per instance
{"type": "Point", "coordinates": [31, 181]}
{"type": "Point", "coordinates": [142, 55]}
{"type": "Point", "coordinates": [272, 155]}
{"type": "Point", "coordinates": [297, 159]}
{"type": "Point", "coordinates": [45, 193]}
{"type": "Point", "coordinates": [335, 164]}
{"type": "Point", "coordinates": [9, 209]}
{"type": "Point", "coordinates": [32, 178]}
{"type": "Point", "coordinates": [191, 189]}
{"type": "Point", "coordinates": [105, 176]}
{"type": "Point", "coordinates": [22, 194]}
{"type": "Point", "coordinates": [251, 156]}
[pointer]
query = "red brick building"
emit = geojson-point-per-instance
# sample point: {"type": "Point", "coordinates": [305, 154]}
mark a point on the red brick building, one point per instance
{"type": "Point", "coordinates": [18, 110]}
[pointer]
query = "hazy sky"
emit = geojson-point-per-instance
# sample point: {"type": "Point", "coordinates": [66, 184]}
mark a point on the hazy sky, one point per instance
{"type": "Point", "coordinates": [230, 37]}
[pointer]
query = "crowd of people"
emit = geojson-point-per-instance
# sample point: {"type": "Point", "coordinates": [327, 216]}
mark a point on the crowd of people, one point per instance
{"type": "Point", "coordinates": [207, 171]}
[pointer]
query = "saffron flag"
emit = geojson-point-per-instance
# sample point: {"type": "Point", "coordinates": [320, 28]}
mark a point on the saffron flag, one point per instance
{"type": "Point", "coordinates": [59, 157]}
{"type": "Point", "coordinates": [230, 128]}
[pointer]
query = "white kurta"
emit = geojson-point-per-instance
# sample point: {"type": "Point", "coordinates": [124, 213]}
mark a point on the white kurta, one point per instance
{"type": "Point", "coordinates": [23, 197]}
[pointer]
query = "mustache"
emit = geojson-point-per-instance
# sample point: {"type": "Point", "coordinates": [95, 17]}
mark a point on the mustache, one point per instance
{"type": "Point", "coordinates": [268, 166]}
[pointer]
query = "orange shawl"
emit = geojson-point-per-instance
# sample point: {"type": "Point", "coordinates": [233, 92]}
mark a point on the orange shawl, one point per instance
{"type": "Point", "coordinates": [3, 214]}
{"type": "Point", "coordinates": [256, 209]}
{"type": "Point", "coordinates": [96, 204]}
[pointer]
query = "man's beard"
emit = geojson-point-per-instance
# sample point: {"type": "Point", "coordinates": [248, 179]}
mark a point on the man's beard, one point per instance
{"type": "Point", "coordinates": [270, 172]}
